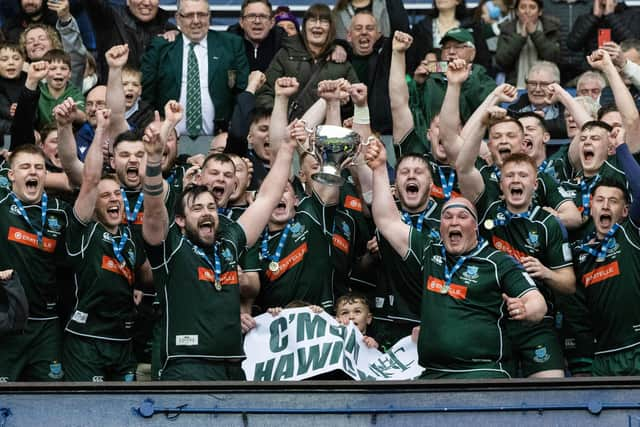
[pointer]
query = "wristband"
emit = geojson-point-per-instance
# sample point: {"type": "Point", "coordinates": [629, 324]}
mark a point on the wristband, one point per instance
{"type": "Point", "coordinates": [153, 169]}
{"type": "Point", "coordinates": [361, 115]}
{"type": "Point", "coordinates": [153, 189]}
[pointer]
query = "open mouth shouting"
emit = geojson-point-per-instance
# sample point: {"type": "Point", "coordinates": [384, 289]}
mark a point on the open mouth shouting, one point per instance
{"type": "Point", "coordinates": [114, 212]}
{"type": "Point", "coordinates": [207, 226]}
{"type": "Point", "coordinates": [31, 184]}
{"type": "Point", "coordinates": [133, 173]}
{"type": "Point", "coordinates": [218, 192]}
{"type": "Point", "coordinates": [455, 237]}
{"type": "Point", "coordinates": [527, 143]}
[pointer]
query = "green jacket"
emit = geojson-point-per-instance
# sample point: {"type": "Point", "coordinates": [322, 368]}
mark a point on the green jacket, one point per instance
{"type": "Point", "coordinates": [293, 60]}
{"type": "Point", "coordinates": [430, 95]}
{"type": "Point", "coordinates": [47, 102]}
{"type": "Point", "coordinates": [228, 72]}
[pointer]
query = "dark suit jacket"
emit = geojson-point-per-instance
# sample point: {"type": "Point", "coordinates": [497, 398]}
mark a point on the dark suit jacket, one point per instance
{"type": "Point", "coordinates": [228, 72]}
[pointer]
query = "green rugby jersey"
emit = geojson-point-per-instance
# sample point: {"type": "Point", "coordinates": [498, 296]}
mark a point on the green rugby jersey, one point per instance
{"type": "Point", "coordinates": [305, 268]}
{"type": "Point", "coordinates": [36, 264]}
{"type": "Point", "coordinates": [104, 306]}
{"type": "Point", "coordinates": [612, 287]}
{"type": "Point", "coordinates": [538, 234]}
{"type": "Point", "coordinates": [199, 319]}
{"type": "Point", "coordinates": [461, 328]}
{"type": "Point", "coordinates": [559, 166]}
{"type": "Point", "coordinates": [174, 178]}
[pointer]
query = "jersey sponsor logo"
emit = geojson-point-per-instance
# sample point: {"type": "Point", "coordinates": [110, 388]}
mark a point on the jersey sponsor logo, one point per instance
{"type": "Point", "coordinates": [471, 273]}
{"type": "Point", "coordinates": [4, 182]}
{"type": "Point", "coordinates": [53, 223]}
{"type": "Point", "coordinates": [226, 278]}
{"type": "Point", "coordinates": [438, 192]}
{"type": "Point", "coordinates": [567, 194]}
{"type": "Point", "coordinates": [297, 230]}
{"type": "Point", "coordinates": [504, 246]}
{"type": "Point", "coordinates": [533, 240]}
{"type": "Point", "coordinates": [601, 274]}
{"type": "Point", "coordinates": [14, 210]}
{"type": "Point", "coordinates": [289, 262]}
{"type": "Point", "coordinates": [227, 255]}
{"type": "Point", "coordinates": [4, 379]}
{"type": "Point", "coordinates": [187, 340]}
{"type": "Point", "coordinates": [340, 243]}
{"type": "Point", "coordinates": [541, 355]}
{"type": "Point", "coordinates": [97, 379]}
{"type": "Point", "coordinates": [353, 203]}
{"type": "Point", "coordinates": [29, 239]}
{"type": "Point", "coordinates": [80, 317]}
{"type": "Point", "coordinates": [129, 377]}
{"type": "Point", "coordinates": [455, 291]}
{"type": "Point", "coordinates": [112, 265]}
{"type": "Point", "coordinates": [55, 370]}
{"type": "Point", "coordinates": [138, 220]}
{"type": "Point", "coordinates": [437, 259]}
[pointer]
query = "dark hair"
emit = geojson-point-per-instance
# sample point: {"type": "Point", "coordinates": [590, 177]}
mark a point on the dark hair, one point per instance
{"type": "Point", "coordinates": [596, 124]}
{"type": "Point", "coordinates": [319, 11]}
{"type": "Point", "coordinates": [13, 47]}
{"type": "Point", "coordinates": [189, 194]}
{"type": "Point", "coordinates": [412, 156]}
{"type": "Point", "coordinates": [629, 44]}
{"type": "Point", "coordinates": [540, 4]}
{"type": "Point", "coordinates": [218, 157]}
{"type": "Point", "coordinates": [58, 55]}
{"type": "Point", "coordinates": [246, 3]}
{"type": "Point", "coordinates": [507, 119]}
{"type": "Point", "coordinates": [521, 158]}
{"type": "Point", "coordinates": [606, 109]}
{"type": "Point", "coordinates": [46, 129]}
{"type": "Point", "coordinates": [128, 136]}
{"type": "Point", "coordinates": [615, 183]}
{"type": "Point", "coordinates": [110, 177]}
{"type": "Point", "coordinates": [26, 149]}
{"type": "Point", "coordinates": [130, 69]}
{"type": "Point", "coordinates": [260, 113]}
{"type": "Point", "coordinates": [533, 115]}
{"type": "Point", "coordinates": [460, 12]}
{"type": "Point", "coordinates": [352, 297]}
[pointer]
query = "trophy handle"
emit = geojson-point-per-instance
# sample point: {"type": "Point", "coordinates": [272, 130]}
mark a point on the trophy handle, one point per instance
{"type": "Point", "coordinates": [308, 146]}
{"type": "Point", "coordinates": [353, 160]}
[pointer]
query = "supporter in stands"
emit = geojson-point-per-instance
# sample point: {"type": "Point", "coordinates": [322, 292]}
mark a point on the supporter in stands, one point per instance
{"type": "Point", "coordinates": [536, 99]}
{"type": "Point", "coordinates": [135, 24]}
{"type": "Point", "coordinates": [447, 15]}
{"type": "Point", "coordinates": [615, 16]}
{"type": "Point", "coordinates": [11, 82]}
{"type": "Point", "coordinates": [590, 83]}
{"type": "Point", "coordinates": [308, 58]}
{"type": "Point", "coordinates": [389, 14]}
{"type": "Point", "coordinates": [30, 12]}
{"type": "Point", "coordinates": [287, 20]}
{"type": "Point", "coordinates": [533, 36]}
{"type": "Point", "coordinates": [72, 42]}
{"type": "Point", "coordinates": [262, 39]}
{"type": "Point", "coordinates": [354, 307]}
{"type": "Point", "coordinates": [96, 99]}
{"type": "Point", "coordinates": [371, 58]}
{"type": "Point", "coordinates": [138, 111]}
{"type": "Point", "coordinates": [218, 59]}
{"type": "Point", "coordinates": [475, 348]}
{"type": "Point", "coordinates": [90, 77]}
{"type": "Point", "coordinates": [32, 237]}
{"type": "Point", "coordinates": [217, 352]}
{"type": "Point", "coordinates": [626, 57]}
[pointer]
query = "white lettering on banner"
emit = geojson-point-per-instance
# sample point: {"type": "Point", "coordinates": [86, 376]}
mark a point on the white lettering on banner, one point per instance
{"type": "Point", "coordinates": [299, 344]}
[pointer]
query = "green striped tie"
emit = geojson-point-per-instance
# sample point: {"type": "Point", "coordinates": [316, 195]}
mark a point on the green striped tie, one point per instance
{"type": "Point", "coordinates": [194, 107]}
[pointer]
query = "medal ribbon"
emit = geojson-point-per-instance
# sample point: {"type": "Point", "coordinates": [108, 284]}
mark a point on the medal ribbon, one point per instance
{"type": "Point", "coordinates": [496, 170]}
{"type": "Point", "coordinates": [586, 194]}
{"type": "Point", "coordinates": [447, 184]}
{"type": "Point", "coordinates": [543, 166]}
{"type": "Point", "coordinates": [406, 218]}
{"type": "Point", "coordinates": [131, 216]}
{"type": "Point", "coordinates": [43, 208]}
{"type": "Point", "coordinates": [118, 247]}
{"type": "Point", "coordinates": [508, 216]}
{"type": "Point", "coordinates": [601, 252]}
{"type": "Point", "coordinates": [448, 274]}
{"type": "Point", "coordinates": [264, 248]}
{"type": "Point", "coordinates": [171, 178]}
{"type": "Point", "coordinates": [224, 212]}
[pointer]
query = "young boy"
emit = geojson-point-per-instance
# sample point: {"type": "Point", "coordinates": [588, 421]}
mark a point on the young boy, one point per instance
{"type": "Point", "coordinates": [57, 88]}
{"type": "Point", "coordinates": [139, 113]}
{"type": "Point", "coordinates": [354, 307]}
{"type": "Point", "coordinates": [11, 81]}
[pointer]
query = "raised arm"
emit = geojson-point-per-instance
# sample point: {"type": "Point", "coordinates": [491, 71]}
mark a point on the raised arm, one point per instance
{"type": "Point", "coordinates": [285, 88]}
{"type": "Point", "coordinates": [632, 172]}
{"type": "Point", "coordinates": [385, 213]}
{"type": "Point", "coordinates": [116, 58]}
{"type": "Point", "coordinates": [398, 90]}
{"type": "Point", "coordinates": [255, 218]}
{"type": "Point", "coordinates": [361, 125]}
{"type": "Point", "coordinates": [71, 38]}
{"type": "Point", "coordinates": [457, 73]}
{"type": "Point", "coordinates": [241, 116]}
{"type": "Point", "coordinates": [333, 92]}
{"type": "Point", "coordinates": [67, 150]}
{"type": "Point", "coordinates": [24, 118]}
{"type": "Point", "coordinates": [601, 60]}
{"type": "Point", "coordinates": [86, 202]}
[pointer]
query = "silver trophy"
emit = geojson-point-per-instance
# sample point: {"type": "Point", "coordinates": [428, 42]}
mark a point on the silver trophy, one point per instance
{"type": "Point", "coordinates": [334, 147]}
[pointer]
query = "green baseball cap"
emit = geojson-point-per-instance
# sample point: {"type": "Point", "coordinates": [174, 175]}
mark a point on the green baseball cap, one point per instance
{"type": "Point", "coordinates": [461, 35]}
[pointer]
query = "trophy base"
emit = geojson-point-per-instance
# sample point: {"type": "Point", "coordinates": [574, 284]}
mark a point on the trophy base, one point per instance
{"type": "Point", "coordinates": [328, 178]}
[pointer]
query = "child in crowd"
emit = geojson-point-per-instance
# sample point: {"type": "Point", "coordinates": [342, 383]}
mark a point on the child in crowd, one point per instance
{"type": "Point", "coordinates": [139, 113]}
{"type": "Point", "coordinates": [57, 88]}
{"type": "Point", "coordinates": [354, 307]}
{"type": "Point", "coordinates": [11, 81]}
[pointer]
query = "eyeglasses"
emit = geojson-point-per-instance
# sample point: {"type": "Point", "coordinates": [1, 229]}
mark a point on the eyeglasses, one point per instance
{"type": "Point", "coordinates": [456, 47]}
{"type": "Point", "coordinates": [534, 84]}
{"type": "Point", "coordinates": [256, 17]}
{"type": "Point", "coordinates": [325, 22]}
{"type": "Point", "coordinates": [192, 16]}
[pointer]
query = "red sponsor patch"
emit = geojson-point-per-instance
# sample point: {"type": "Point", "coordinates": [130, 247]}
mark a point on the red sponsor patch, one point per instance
{"type": "Point", "coordinates": [340, 243]}
{"type": "Point", "coordinates": [455, 291]}
{"type": "Point", "coordinates": [138, 220]}
{"type": "Point", "coordinates": [29, 239]}
{"type": "Point", "coordinates": [600, 274]}
{"type": "Point", "coordinates": [289, 262]}
{"type": "Point", "coordinates": [226, 278]}
{"type": "Point", "coordinates": [112, 265]}
{"type": "Point", "coordinates": [353, 203]}
{"type": "Point", "coordinates": [504, 246]}
{"type": "Point", "coordinates": [438, 192]}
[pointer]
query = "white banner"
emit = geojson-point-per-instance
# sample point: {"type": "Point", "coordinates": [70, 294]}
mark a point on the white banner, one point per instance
{"type": "Point", "coordinates": [299, 344]}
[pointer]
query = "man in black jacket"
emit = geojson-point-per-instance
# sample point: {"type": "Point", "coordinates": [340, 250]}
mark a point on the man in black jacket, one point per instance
{"type": "Point", "coordinates": [30, 12]}
{"type": "Point", "coordinates": [14, 307]}
{"type": "Point", "coordinates": [371, 58]}
{"type": "Point", "coordinates": [262, 39]}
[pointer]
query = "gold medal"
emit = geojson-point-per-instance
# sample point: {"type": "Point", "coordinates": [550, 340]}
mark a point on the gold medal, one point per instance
{"type": "Point", "coordinates": [274, 267]}
{"type": "Point", "coordinates": [123, 265]}
{"type": "Point", "coordinates": [217, 285]}
{"type": "Point", "coordinates": [488, 224]}
{"type": "Point", "coordinates": [444, 289]}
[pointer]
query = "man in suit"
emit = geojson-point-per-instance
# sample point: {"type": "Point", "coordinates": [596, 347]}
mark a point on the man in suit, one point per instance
{"type": "Point", "coordinates": [217, 57]}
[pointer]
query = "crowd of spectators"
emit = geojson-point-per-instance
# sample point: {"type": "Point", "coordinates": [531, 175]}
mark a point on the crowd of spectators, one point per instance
{"type": "Point", "coordinates": [491, 208]}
